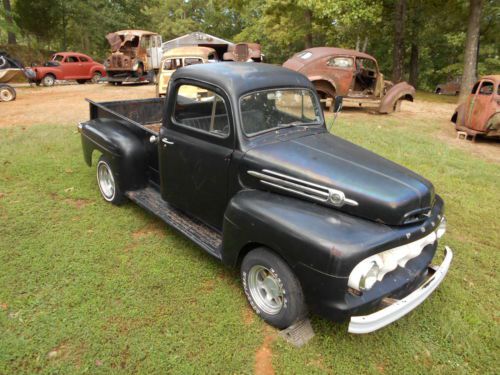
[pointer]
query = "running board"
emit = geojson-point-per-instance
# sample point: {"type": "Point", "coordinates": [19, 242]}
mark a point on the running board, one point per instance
{"type": "Point", "coordinates": [200, 233]}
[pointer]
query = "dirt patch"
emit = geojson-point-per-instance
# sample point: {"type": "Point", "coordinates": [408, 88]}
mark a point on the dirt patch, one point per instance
{"type": "Point", "coordinates": [77, 203]}
{"type": "Point", "coordinates": [264, 355]}
{"type": "Point", "coordinates": [64, 104]}
{"type": "Point", "coordinates": [156, 228]}
{"type": "Point", "coordinates": [248, 315]}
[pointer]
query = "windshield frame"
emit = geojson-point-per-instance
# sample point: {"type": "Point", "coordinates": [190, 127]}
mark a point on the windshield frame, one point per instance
{"type": "Point", "coordinates": [320, 122]}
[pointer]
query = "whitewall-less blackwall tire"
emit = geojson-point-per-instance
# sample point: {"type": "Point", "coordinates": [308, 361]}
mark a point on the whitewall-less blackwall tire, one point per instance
{"type": "Point", "coordinates": [272, 289]}
{"type": "Point", "coordinates": [107, 182]}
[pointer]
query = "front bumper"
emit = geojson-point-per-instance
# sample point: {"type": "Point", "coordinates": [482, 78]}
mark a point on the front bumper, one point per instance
{"type": "Point", "coordinates": [381, 318]}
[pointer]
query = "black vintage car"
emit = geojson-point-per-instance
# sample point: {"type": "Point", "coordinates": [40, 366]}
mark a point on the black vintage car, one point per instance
{"type": "Point", "coordinates": [238, 159]}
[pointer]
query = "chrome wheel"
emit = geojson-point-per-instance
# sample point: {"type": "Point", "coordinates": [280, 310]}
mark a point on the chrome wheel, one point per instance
{"type": "Point", "coordinates": [106, 181]}
{"type": "Point", "coordinates": [48, 80]}
{"type": "Point", "coordinates": [266, 289]}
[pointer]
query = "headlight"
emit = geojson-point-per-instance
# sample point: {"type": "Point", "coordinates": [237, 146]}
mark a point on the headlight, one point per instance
{"type": "Point", "coordinates": [136, 65]}
{"type": "Point", "coordinates": [442, 228]}
{"type": "Point", "coordinates": [374, 268]}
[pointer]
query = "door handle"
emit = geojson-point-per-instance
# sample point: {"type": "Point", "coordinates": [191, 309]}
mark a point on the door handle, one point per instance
{"type": "Point", "coordinates": [166, 141]}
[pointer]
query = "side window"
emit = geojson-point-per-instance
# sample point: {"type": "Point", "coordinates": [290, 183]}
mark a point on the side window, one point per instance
{"type": "Point", "coordinates": [192, 61]}
{"type": "Point", "coordinates": [486, 88]}
{"type": "Point", "coordinates": [83, 59]}
{"type": "Point", "coordinates": [202, 110]}
{"type": "Point", "coordinates": [168, 65]}
{"type": "Point", "coordinates": [340, 62]}
{"type": "Point", "coordinates": [71, 59]}
{"type": "Point", "coordinates": [145, 42]}
{"type": "Point", "coordinates": [474, 89]}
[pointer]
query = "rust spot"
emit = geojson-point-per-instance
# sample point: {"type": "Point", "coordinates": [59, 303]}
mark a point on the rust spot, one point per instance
{"type": "Point", "coordinates": [264, 356]}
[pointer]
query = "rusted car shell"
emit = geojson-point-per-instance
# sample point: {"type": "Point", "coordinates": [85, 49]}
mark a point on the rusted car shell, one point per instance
{"type": "Point", "coordinates": [331, 81]}
{"type": "Point", "coordinates": [243, 52]}
{"type": "Point", "coordinates": [480, 113]}
{"type": "Point", "coordinates": [448, 88]}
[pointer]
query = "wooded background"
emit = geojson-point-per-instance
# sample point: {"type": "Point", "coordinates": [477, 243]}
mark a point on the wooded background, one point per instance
{"type": "Point", "coordinates": [422, 41]}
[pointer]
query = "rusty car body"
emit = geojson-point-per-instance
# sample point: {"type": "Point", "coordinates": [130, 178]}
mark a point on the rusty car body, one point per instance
{"type": "Point", "coordinates": [135, 56]}
{"type": "Point", "coordinates": [351, 74]}
{"type": "Point", "coordinates": [480, 113]}
{"type": "Point", "coordinates": [451, 87]}
{"type": "Point", "coordinates": [244, 52]}
{"type": "Point", "coordinates": [68, 66]}
{"type": "Point", "coordinates": [177, 58]}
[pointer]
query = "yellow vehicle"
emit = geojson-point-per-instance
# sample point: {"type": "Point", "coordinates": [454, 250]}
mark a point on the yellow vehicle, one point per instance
{"type": "Point", "coordinates": [177, 58]}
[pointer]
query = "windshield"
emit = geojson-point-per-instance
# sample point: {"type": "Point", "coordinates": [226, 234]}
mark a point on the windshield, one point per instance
{"type": "Point", "coordinates": [266, 110]}
{"type": "Point", "coordinates": [57, 58]}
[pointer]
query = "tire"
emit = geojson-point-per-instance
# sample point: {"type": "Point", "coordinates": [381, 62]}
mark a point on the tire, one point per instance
{"type": "Point", "coordinates": [325, 91]}
{"type": "Point", "coordinates": [38, 82]}
{"type": "Point", "coordinates": [7, 93]}
{"type": "Point", "coordinates": [108, 182]}
{"type": "Point", "coordinates": [140, 71]}
{"type": "Point", "coordinates": [96, 77]}
{"type": "Point", "coordinates": [438, 91]}
{"type": "Point", "coordinates": [263, 273]}
{"type": "Point", "coordinates": [48, 80]}
{"type": "Point", "coordinates": [81, 81]}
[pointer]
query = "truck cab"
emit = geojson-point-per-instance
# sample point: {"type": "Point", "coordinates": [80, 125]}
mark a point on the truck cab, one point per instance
{"type": "Point", "coordinates": [250, 173]}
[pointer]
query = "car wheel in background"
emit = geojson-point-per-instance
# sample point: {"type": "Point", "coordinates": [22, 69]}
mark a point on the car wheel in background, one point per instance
{"type": "Point", "coordinates": [272, 289]}
{"type": "Point", "coordinates": [48, 80]}
{"type": "Point", "coordinates": [96, 77]}
{"type": "Point", "coordinates": [7, 93]}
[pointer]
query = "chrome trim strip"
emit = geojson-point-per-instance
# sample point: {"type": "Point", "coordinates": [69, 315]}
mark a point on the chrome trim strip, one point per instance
{"type": "Point", "coordinates": [295, 185]}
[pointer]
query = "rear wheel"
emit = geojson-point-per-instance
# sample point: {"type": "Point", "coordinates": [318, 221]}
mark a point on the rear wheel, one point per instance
{"type": "Point", "coordinates": [272, 289]}
{"type": "Point", "coordinates": [7, 93]}
{"type": "Point", "coordinates": [107, 181]}
{"type": "Point", "coordinates": [48, 80]}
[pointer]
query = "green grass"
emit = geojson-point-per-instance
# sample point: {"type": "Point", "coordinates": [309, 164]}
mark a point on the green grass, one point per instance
{"type": "Point", "coordinates": [431, 97]}
{"type": "Point", "coordinates": [87, 287]}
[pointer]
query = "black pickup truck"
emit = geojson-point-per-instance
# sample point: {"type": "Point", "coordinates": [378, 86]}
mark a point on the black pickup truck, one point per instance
{"type": "Point", "coordinates": [237, 158]}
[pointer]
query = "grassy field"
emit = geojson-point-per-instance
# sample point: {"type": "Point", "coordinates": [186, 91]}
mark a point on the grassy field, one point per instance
{"type": "Point", "coordinates": [86, 287]}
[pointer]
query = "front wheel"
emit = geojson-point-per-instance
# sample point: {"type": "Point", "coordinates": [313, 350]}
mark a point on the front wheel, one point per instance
{"type": "Point", "coordinates": [7, 93]}
{"type": "Point", "coordinates": [272, 289]}
{"type": "Point", "coordinates": [96, 77]}
{"type": "Point", "coordinates": [107, 181]}
{"type": "Point", "coordinates": [48, 80]}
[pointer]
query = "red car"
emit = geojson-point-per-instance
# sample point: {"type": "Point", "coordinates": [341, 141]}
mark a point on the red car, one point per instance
{"type": "Point", "coordinates": [480, 113]}
{"type": "Point", "coordinates": [69, 65]}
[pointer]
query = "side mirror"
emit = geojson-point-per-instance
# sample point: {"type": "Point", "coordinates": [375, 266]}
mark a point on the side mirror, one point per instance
{"type": "Point", "coordinates": [337, 105]}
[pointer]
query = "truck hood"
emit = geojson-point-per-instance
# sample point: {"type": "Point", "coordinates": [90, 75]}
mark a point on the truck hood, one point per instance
{"type": "Point", "coordinates": [328, 170]}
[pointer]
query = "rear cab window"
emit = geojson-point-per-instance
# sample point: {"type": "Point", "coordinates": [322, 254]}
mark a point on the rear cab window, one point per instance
{"type": "Point", "coordinates": [201, 110]}
{"type": "Point", "coordinates": [340, 62]}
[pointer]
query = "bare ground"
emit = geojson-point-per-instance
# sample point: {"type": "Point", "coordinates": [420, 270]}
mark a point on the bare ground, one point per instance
{"type": "Point", "coordinates": [65, 104]}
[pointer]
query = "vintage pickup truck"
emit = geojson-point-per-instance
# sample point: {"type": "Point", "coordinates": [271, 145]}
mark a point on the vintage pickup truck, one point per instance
{"type": "Point", "coordinates": [249, 172]}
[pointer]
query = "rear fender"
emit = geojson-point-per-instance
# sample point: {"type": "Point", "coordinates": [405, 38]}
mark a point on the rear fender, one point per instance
{"type": "Point", "coordinates": [318, 78]}
{"type": "Point", "coordinates": [121, 145]}
{"type": "Point", "coordinates": [458, 117]}
{"type": "Point", "coordinates": [400, 91]}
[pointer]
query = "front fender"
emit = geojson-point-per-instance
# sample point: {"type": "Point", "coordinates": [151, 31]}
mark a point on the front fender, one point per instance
{"type": "Point", "coordinates": [42, 72]}
{"type": "Point", "coordinates": [306, 234]}
{"type": "Point", "coordinates": [400, 91]}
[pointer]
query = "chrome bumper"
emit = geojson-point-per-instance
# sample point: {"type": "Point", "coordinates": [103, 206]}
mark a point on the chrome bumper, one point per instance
{"type": "Point", "coordinates": [381, 318]}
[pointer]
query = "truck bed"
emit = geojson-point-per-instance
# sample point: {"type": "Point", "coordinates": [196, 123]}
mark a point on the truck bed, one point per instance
{"type": "Point", "coordinates": [144, 113]}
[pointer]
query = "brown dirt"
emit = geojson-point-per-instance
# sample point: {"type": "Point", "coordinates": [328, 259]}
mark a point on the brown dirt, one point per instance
{"type": "Point", "coordinates": [155, 228]}
{"type": "Point", "coordinates": [65, 103]}
{"type": "Point", "coordinates": [264, 356]}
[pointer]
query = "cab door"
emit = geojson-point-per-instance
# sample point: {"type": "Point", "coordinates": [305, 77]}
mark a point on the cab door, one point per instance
{"type": "Point", "coordinates": [195, 148]}
{"type": "Point", "coordinates": [154, 51]}
{"type": "Point", "coordinates": [341, 70]}
{"type": "Point", "coordinates": [479, 105]}
{"type": "Point", "coordinates": [71, 67]}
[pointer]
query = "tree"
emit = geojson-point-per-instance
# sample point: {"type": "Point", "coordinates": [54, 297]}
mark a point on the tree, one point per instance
{"type": "Point", "coordinates": [399, 40]}
{"type": "Point", "coordinates": [471, 48]}
{"type": "Point", "coordinates": [11, 37]}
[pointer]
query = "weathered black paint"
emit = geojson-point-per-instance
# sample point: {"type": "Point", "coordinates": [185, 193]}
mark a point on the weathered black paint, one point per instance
{"type": "Point", "coordinates": [207, 178]}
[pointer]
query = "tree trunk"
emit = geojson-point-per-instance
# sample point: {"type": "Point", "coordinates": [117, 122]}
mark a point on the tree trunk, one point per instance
{"type": "Point", "coordinates": [365, 44]}
{"type": "Point", "coordinates": [471, 49]}
{"type": "Point", "coordinates": [308, 39]}
{"type": "Point", "coordinates": [11, 37]}
{"type": "Point", "coordinates": [414, 64]}
{"type": "Point", "coordinates": [399, 41]}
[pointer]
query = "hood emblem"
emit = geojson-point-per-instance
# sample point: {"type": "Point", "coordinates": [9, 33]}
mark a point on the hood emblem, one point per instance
{"type": "Point", "coordinates": [303, 188]}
